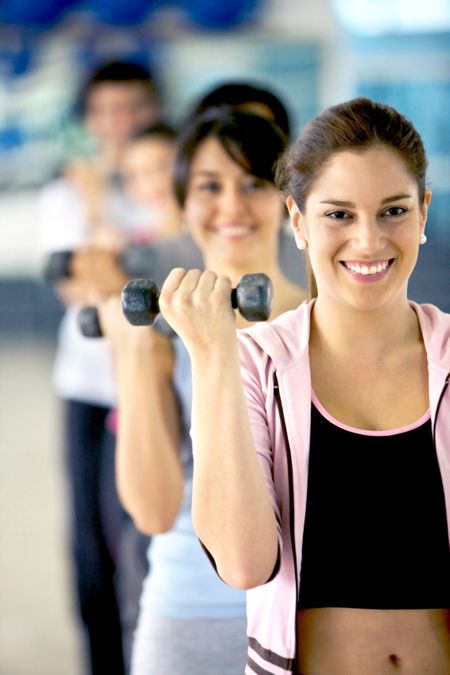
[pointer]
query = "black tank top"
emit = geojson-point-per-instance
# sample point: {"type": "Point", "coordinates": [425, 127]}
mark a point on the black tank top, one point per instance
{"type": "Point", "coordinates": [376, 533]}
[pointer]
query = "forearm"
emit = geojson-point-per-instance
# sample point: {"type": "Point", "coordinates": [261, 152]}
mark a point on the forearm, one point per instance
{"type": "Point", "coordinates": [232, 512]}
{"type": "Point", "coordinates": [149, 474]}
{"type": "Point", "coordinates": [73, 292]}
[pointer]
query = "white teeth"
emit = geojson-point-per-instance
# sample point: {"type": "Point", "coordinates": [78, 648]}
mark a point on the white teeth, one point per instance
{"type": "Point", "coordinates": [238, 231]}
{"type": "Point", "coordinates": [366, 269]}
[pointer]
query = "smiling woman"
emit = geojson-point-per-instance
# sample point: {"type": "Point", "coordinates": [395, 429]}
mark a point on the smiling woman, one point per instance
{"type": "Point", "coordinates": [323, 486]}
{"type": "Point", "coordinates": [190, 622]}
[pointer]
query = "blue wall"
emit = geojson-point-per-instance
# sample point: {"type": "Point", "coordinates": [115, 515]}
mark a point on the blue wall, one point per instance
{"type": "Point", "coordinates": [412, 73]}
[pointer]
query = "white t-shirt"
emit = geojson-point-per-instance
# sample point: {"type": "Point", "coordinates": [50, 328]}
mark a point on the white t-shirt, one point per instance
{"type": "Point", "coordinates": [83, 368]}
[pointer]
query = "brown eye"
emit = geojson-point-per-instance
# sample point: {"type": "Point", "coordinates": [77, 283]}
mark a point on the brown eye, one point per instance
{"type": "Point", "coordinates": [395, 211]}
{"type": "Point", "coordinates": [338, 215]}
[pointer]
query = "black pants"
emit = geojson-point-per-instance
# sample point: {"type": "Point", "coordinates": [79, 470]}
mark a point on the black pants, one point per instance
{"type": "Point", "coordinates": [108, 576]}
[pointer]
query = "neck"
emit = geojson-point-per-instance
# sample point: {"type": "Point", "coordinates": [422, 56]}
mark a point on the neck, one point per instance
{"type": "Point", "coordinates": [234, 271]}
{"type": "Point", "coordinates": [283, 290]}
{"type": "Point", "coordinates": [371, 334]}
{"type": "Point", "coordinates": [109, 158]}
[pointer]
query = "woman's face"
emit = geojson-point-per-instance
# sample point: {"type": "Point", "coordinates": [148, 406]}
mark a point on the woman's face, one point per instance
{"type": "Point", "coordinates": [233, 216]}
{"type": "Point", "coordinates": [147, 169]}
{"type": "Point", "coordinates": [362, 221]}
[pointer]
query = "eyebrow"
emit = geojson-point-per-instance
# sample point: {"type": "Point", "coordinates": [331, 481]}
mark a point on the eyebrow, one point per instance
{"type": "Point", "coordinates": [337, 202]}
{"type": "Point", "coordinates": [204, 172]}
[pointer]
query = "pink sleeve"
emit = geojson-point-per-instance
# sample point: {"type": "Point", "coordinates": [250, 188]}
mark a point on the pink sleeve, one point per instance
{"type": "Point", "coordinates": [112, 421]}
{"type": "Point", "coordinates": [256, 370]}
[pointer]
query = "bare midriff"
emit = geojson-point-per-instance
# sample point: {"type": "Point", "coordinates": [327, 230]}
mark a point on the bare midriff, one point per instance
{"type": "Point", "coordinates": [345, 641]}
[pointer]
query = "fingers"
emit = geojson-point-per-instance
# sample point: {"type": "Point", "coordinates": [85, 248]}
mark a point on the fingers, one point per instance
{"type": "Point", "coordinates": [173, 280]}
{"type": "Point", "coordinates": [193, 288]}
{"type": "Point", "coordinates": [178, 287]}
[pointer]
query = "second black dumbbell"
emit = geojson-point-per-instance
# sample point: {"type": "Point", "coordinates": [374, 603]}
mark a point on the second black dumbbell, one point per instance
{"type": "Point", "coordinates": [252, 297]}
{"type": "Point", "coordinates": [135, 260]}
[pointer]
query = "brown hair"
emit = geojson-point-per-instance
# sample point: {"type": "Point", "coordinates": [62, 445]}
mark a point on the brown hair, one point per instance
{"type": "Point", "coordinates": [253, 142]}
{"type": "Point", "coordinates": [356, 124]}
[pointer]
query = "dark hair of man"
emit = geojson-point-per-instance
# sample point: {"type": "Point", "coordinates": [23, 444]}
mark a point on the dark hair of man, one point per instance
{"type": "Point", "coordinates": [115, 72]}
{"type": "Point", "coordinates": [237, 94]}
{"type": "Point", "coordinates": [159, 130]}
{"type": "Point", "coordinates": [253, 142]}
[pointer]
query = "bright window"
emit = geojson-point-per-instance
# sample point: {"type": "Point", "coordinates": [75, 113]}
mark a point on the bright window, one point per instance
{"type": "Point", "coordinates": [376, 17]}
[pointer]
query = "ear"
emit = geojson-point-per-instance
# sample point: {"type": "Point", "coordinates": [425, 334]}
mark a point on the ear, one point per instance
{"type": "Point", "coordinates": [424, 209]}
{"type": "Point", "coordinates": [295, 217]}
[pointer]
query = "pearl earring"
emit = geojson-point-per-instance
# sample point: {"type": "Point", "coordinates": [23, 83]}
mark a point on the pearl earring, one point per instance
{"type": "Point", "coordinates": [422, 238]}
{"type": "Point", "coordinates": [300, 243]}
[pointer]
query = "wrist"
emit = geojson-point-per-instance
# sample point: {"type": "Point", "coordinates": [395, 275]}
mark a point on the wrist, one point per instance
{"type": "Point", "coordinates": [219, 355]}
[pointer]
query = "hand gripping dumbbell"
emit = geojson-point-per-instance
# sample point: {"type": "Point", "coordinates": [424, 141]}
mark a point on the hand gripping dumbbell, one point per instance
{"type": "Point", "coordinates": [136, 260]}
{"type": "Point", "coordinates": [252, 297]}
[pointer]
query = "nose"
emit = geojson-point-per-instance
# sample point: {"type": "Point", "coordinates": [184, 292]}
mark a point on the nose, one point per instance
{"type": "Point", "coordinates": [367, 236]}
{"type": "Point", "coordinates": [233, 202]}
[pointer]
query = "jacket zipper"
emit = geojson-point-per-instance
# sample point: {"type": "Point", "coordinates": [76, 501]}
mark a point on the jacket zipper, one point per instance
{"type": "Point", "coordinates": [291, 499]}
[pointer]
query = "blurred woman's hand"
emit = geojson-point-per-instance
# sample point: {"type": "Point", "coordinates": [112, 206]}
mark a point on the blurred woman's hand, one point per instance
{"type": "Point", "coordinates": [99, 271]}
{"type": "Point", "coordinates": [130, 342]}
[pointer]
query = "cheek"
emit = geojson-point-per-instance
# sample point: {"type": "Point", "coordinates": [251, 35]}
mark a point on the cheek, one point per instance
{"type": "Point", "coordinates": [325, 241]}
{"type": "Point", "coordinates": [196, 217]}
{"type": "Point", "coordinates": [269, 213]}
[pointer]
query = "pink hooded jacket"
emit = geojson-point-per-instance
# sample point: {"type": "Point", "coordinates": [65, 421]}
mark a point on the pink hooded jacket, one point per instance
{"type": "Point", "coordinates": [277, 381]}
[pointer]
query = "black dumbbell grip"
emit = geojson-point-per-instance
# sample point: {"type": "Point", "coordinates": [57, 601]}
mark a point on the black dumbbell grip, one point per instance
{"type": "Point", "coordinates": [58, 266]}
{"type": "Point", "coordinates": [89, 322]}
{"type": "Point", "coordinates": [135, 260]}
{"type": "Point", "coordinates": [234, 298]}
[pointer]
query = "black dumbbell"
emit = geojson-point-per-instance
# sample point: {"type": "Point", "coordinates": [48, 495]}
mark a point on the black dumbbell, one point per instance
{"type": "Point", "coordinates": [136, 260]}
{"type": "Point", "coordinates": [252, 297]}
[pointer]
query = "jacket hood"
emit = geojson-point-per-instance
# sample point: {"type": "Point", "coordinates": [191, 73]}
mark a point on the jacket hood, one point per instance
{"type": "Point", "coordinates": [435, 326]}
{"type": "Point", "coordinates": [286, 338]}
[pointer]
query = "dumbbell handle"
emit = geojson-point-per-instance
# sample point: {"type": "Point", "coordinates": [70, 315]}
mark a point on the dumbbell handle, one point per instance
{"type": "Point", "coordinates": [135, 260]}
{"type": "Point", "coordinates": [252, 297]}
{"type": "Point", "coordinates": [140, 303]}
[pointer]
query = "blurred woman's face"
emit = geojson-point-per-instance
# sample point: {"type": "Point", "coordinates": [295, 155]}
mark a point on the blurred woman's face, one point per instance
{"type": "Point", "coordinates": [147, 169]}
{"type": "Point", "coordinates": [233, 216]}
{"type": "Point", "coordinates": [115, 111]}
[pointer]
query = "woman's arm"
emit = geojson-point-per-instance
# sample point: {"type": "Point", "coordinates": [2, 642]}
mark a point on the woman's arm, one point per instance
{"type": "Point", "coordinates": [149, 473]}
{"type": "Point", "coordinates": [232, 511]}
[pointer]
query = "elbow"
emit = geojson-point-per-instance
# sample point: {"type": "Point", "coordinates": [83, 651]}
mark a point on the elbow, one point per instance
{"type": "Point", "coordinates": [150, 517]}
{"type": "Point", "coordinates": [151, 523]}
{"type": "Point", "coordinates": [250, 573]}
{"type": "Point", "coordinates": [244, 580]}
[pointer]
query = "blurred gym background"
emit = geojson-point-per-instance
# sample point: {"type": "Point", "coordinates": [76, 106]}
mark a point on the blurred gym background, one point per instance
{"type": "Point", "coordinates": [313, 53]}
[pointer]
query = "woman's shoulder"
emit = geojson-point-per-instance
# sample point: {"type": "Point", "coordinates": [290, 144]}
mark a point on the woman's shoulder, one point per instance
{"type": "Point", "coordinates": [435, 327]}
{"type": "Point", "coordinates": [284, 340]}
{"type": "Point", "coordinates": [291, 298]}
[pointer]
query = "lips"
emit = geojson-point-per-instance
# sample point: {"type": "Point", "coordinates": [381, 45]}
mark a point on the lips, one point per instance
{"type": "Point", "coordinates": [368, 270]}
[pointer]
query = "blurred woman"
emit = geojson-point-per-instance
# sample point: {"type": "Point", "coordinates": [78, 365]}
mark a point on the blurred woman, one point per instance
{"type": "Point", "coordinates": [147, 171]}
{"type": "Point", "coordinates": [190, 623]}
{"type": "Point", "coordinates": [83, 211]}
